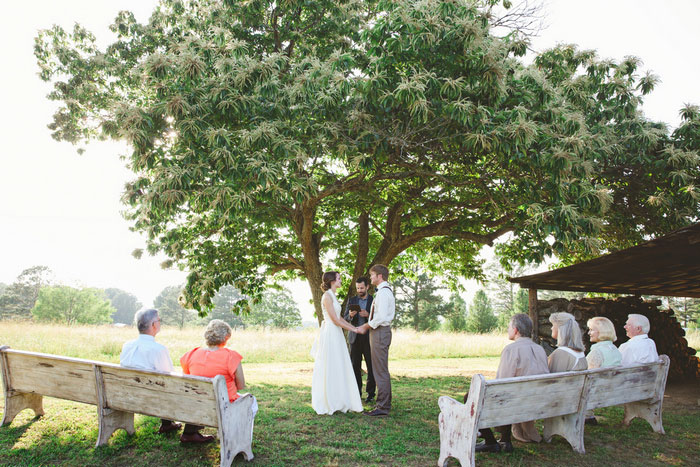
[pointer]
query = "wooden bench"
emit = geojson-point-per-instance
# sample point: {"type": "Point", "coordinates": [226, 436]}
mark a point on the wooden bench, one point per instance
{"type": "Point", "coordinates": [561, 399]}
{"type": "Point", "coordinates": [120, 392]}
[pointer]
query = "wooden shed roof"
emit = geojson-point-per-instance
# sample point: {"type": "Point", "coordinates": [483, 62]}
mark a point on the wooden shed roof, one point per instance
{"type": "Point", "coordinates": [666, 266]}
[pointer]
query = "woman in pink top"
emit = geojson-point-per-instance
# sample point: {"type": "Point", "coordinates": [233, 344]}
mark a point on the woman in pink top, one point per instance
{"type": "Point", "coordinates": [211, 360]}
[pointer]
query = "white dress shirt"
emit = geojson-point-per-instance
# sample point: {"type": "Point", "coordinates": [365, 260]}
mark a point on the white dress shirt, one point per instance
{"type": "Point", "coordinates": [383, 307]}
{"type": "Point", "coordinates": [144, 353]}
{"type": "Point", "coordinates": [639, 349]}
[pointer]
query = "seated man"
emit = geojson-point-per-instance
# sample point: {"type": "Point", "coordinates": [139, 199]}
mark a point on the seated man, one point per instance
{"type": "Point", "coordinates": [639, 349]}
{"type": "Point", "coordinates": [144, 353]}
{"type": "Point", "coordinates": [521, 358]}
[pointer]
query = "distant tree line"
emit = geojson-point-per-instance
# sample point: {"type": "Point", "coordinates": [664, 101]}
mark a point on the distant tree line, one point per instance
{"type": "Point", "coordinates": [422, 303]}
{"type": "Point", "coordinates": [35, 296]}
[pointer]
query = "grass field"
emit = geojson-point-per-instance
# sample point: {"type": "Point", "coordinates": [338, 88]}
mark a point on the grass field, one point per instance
{"type": "Point", "coordinates": [278, 370]}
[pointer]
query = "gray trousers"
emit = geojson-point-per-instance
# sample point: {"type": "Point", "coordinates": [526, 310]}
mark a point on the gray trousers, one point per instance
{"type": "Point", "coordinates": [379, 341]}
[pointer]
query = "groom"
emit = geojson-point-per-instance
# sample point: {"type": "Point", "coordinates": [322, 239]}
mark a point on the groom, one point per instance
{"type": "Point", "coordinates": [380, 316]}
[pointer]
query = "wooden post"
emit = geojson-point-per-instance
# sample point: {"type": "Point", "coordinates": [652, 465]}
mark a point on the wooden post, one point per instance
{"type": "Point", "coordinates": [532, 308]}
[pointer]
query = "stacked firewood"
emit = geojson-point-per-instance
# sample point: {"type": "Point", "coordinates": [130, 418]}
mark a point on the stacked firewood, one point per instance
{"type": "Point", "coordinates": [666, 331]}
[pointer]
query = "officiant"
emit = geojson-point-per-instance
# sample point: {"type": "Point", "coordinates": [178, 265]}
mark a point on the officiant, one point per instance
{"type": "Point", "coordinates": [357, 313]}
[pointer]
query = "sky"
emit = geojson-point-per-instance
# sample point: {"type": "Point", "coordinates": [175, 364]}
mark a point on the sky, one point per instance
{"type": "Point", "coordinates": [63, 210]}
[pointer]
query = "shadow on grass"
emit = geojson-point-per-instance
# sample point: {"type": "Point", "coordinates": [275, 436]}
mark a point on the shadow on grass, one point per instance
{"type": "Point", "coordinates": [289, 432]}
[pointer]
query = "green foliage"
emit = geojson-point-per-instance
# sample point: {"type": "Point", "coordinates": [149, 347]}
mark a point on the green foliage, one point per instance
{"type": "Point", "coordinates": [224, 304]}
{"type": "Point", "coordinates": [506, 297]}
{"type": "Point", "coordinates": [170, 310]}
{"type": "Point", "coordinates": [456, 314]}
{"type": "Point", "coordinates": [125, 303]}
{"type": "Point", "coordinates": [267, 136]}
{"type": "Point", "coordinates": [481, 317]}
{"type": "Point", "coordinates": [417, 303]}
{"type": "Point", "coordinates": [276, 309]}
{"type": "Point", "coordinates": [520, 305]}
{"type": "Point", "coordinates": [19, 298]}
{"type": "Point", "coordinates": [687, 310]}
{"type": "Point", "coordinates": [62, 304]}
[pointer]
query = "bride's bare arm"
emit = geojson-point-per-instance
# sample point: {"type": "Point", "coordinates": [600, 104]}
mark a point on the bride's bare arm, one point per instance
{"type": "Point", "coordinates": [328, 304]}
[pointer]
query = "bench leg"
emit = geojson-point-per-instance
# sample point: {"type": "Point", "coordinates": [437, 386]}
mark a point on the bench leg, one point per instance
{"type": "Point", "coordinates": [112, 420]}
{"type": "Point", "coordinates": [649, 411]}
{"type": "Point", "coordinates": [17, 402]}
{"type": "Point", "coordinates": [570, 427]}
{"type": "Point", "coordinates": [235, 424]}
{"type": "Point", "coordinates": [457, 432]}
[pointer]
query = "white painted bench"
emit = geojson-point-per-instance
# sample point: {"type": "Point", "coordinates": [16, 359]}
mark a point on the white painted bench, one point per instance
{"type": "Point", "coordinates": [120, 392]}
{"type": "Point", "coordinates": [559, 399]}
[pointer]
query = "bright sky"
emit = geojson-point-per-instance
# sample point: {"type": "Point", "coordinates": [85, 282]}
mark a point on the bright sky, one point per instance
{"type": "Point", "coordinates": [62, 210]}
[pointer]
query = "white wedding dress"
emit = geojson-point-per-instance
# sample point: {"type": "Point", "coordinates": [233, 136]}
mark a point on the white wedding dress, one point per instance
{"type": "Point", "coordinates": [333, 387]}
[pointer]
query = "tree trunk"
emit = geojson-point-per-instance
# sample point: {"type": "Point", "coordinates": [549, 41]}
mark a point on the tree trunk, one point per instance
{"type": "Point", "coordinates": [310, 246]}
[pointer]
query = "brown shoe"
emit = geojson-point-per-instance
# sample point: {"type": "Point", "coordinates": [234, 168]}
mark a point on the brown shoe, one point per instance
{"type": "Point", "coordinates": [167, 428]}
{"type": "Point", "coordinates": [377, 413]}
{"type": "Point", "coordinates": [196, 438]}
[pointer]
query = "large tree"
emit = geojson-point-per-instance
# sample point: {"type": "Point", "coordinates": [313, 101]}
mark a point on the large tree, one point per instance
{"type": "Point", "coordinates": [224, 305]}
{"type": "Point", "coordinates": [62, 304]}
{"type": "Point", "coordinates": [481, 317]}
{"type": "Point", "coordinates": [170, 307]}
{"type": "Point", "coordinates": [276, 309]}
{"type": "Point", "coordinates": [268, 136]}
{"type": "Point", "coordinates": [125, 304]}
{"type": "Point", "coordinates": [418, 304]}
{"type": "Point", "coordinates": [19, 298]}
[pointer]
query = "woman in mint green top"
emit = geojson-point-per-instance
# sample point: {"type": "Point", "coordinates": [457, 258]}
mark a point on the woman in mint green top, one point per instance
{"type": "Point", "coordinates": [603, 352]}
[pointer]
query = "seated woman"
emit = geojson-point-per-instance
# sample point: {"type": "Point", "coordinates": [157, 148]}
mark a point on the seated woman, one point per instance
{"type": "Point", "coordinates": [603, 352]}
{"type": "Point", "coordinates": [211, 360]}
{"type": "Point", "coordinates": [569, 354]}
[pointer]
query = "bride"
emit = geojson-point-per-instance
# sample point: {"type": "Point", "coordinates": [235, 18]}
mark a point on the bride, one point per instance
{"type": "Point", "coordinates": [333, 387]}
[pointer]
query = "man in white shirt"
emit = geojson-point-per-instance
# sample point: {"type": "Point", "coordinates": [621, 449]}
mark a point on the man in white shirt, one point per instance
{"type": "Point", "coordinates": [639, 349]}
{"type": "Point", "coordinates": [144, 353]}
{"type": "Point", "coordinates": [381, 315]}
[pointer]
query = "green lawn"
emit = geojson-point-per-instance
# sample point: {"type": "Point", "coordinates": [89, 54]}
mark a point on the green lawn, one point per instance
{"type": "Point", "coordinates": [288, 432]}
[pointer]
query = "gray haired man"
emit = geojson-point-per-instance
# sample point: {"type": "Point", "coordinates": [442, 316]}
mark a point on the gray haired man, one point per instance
{"type": "Point", "coordinates": [144, 353]}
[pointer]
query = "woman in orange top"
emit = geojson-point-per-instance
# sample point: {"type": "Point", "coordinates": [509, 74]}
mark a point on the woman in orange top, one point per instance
{"type": "Point", "coordinates": [211, 360]}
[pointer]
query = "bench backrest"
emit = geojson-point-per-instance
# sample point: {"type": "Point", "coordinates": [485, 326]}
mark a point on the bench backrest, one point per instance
{"type": "Point", "coordinates": [49, 375]}
{"type": "Point", "coordinates": [623, 384]}
{"type": "Point", "coordinates": [514, 400]}
{"type": "Point", "coordinates": [177, 397]}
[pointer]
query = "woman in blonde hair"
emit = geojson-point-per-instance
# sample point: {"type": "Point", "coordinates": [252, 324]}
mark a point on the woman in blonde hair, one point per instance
{"type": "Point", "coordinates": [569, 354]}
{"type": "Point", "coordinates": [333, 386]}
{"type": "Point", "coordinates": [603, 352]}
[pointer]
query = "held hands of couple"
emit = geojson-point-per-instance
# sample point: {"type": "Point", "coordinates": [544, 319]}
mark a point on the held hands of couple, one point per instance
{"type": "Point", "coordinates": [362, 329]}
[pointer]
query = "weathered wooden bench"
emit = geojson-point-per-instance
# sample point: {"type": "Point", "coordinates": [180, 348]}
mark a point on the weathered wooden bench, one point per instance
{"type": "Point", "coordinates": [560, 399]}
{"type": "Point", "coordinates": [120, 392]}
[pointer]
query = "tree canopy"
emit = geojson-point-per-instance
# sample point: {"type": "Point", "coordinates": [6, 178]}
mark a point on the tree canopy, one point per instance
{"type": "Point", "coordinates": [63, 304]}
{"type": "Point", "coordinates": [271, 137]}
{"type": "Point", "coordinates": [481, 317]}
{"type": "Point", "coordinates": [170, 308]}
{"type": "Point", "coordinates": [18, 298]}
{"type": "Point", "coordinates": [125, 304]}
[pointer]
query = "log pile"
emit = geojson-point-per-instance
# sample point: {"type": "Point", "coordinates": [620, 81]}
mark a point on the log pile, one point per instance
{"type": "Point", "coordinates": [666, 331]}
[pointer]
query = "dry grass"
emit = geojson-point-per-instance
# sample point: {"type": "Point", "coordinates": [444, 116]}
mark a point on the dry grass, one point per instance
{"type": "Point", "coordinates": [256, 345]}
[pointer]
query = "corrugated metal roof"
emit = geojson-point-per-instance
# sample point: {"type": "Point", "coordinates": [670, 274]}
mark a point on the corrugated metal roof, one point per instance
{"type": "Point", "coordinates": [665, 266]}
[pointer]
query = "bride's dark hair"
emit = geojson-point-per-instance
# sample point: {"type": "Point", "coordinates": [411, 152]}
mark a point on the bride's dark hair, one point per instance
{"type": "Point", "coordinates": [328, 277]}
